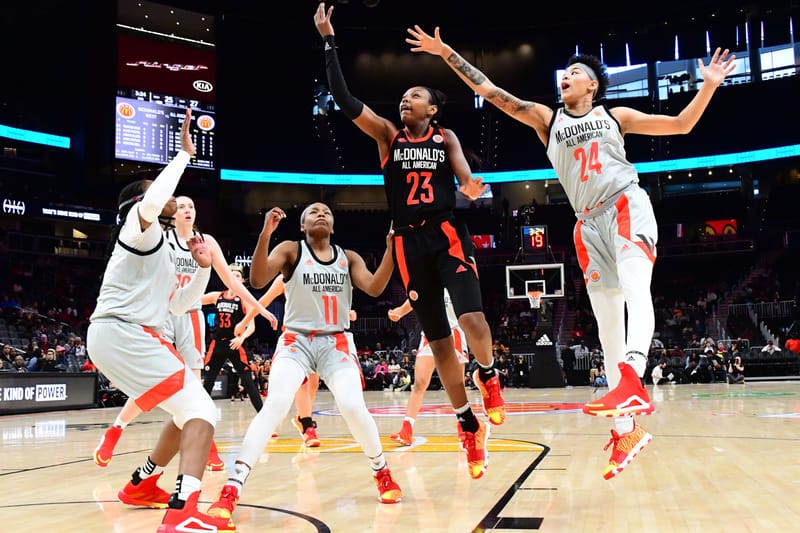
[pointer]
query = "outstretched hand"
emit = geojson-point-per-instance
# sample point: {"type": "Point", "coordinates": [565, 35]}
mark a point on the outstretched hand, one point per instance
{"type": "Point", "coordinates": [322, 20]}
{"type": "Point", "coordinates": [720, 66]}
{"type": "Point", "coordinates": [187, 145]}
{"type": "Point", "coordinates": [474, 188]}
{"type": "Point", "coordinates": [422, 42]}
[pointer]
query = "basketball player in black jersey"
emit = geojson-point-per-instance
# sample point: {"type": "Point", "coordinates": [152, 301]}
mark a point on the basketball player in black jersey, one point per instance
{"type": "Point", "coordinates": [226, 344]}
{"type": "Point", "coordinates": [421, 162]}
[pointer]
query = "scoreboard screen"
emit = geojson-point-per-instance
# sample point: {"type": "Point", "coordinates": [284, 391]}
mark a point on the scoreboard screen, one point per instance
{"type": "Point", "coordinates": [534, 238]}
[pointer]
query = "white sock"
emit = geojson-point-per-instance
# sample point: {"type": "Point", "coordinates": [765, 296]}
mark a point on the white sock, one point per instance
{"type": "Point", "coordinates": [120, 423]}
{"type": "Point", "coordinates": [410, 420]}
{"type": "Point", "coordinates": [240, 473]}
{"type": "Point", "coordinates": [638, 361]}
{"type": "Point", "coordinates": [377, 463]}
{"type": "Point", "coordinates": [186, 486]}
{"type": "Point", "coordinates": [624, 424]}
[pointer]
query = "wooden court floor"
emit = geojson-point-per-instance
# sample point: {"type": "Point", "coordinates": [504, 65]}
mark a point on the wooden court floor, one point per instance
{"type": "Point", "coordinates": [723, 458]}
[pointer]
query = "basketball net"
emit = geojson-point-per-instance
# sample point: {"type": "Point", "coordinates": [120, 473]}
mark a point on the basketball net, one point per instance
{"type": "Point", "coordinates": [535, 298]}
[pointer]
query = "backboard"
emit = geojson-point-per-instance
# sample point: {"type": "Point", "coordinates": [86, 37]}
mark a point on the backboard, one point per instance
{"type": "Point", "coordinates": [519, 278]}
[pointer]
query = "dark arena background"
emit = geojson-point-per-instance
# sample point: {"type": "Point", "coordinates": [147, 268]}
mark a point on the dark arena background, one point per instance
{"type": "Point", "coordinates": [93, 96]}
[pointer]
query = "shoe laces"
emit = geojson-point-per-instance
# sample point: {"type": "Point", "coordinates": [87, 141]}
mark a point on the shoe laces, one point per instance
{"type": "Point", "coordinates": [384, 478]}
{"type": "Point", "coordinates": [624, 442]}
{"type": "Point", "coordinates": [229, 494]}
{"type": "Point", "coordinates": [468, 441]}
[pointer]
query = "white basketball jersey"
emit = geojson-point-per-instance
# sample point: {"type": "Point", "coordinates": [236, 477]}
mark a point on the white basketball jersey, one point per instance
{"type": "Point", "coordinates": [185, 265]}
{"type": "Point", "coordinates": [137, 285]}
{"type": "Point", "coordinates": [318, 294]}
{"type": "Point", "coordinates": [588, 155]}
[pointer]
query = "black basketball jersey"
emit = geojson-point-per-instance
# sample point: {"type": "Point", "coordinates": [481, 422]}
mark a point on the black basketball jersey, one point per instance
{"type": "Point", "coordinates": [230, 311]}
{"type": "Point", "coordinates": [417, 178]}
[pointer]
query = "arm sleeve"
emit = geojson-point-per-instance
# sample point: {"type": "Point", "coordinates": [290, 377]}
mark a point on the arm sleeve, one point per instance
{"type": "Point", "coordinates": [163, 187]}
{"type": "Point", "coordinates": [188, 295]}
{"type": "Point", "coordinates": [351, 106]}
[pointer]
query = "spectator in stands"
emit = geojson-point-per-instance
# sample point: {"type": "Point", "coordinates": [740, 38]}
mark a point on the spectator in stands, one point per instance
{"type": "Point", "coordinates": [716, 369]}
{"type": "Point", "coordinates": [658, 373]}
{"type": "Point", "coordinates": [694, 342]}
{"type": "Point", "coordinates": [34, 354]}
{"type": "Point", "coordinates": [402, 381]}
{"type": "Point", "coordinates": [7, 360]}
{"type": "Point", "coordinates": [692, 369]}
{"type": "Point", "coordinates": [407, 365]}
{"type": "Point", "coordinates": [504, 368]}
{"type": "Point", "coordinates": [522, 372]}
{"type": "Point", "coordinates": [393, 369]}
{"type": "Point", "coordinates": [736, 370]}
{"type": "Point", "coordinates": [48, 362]}
{"type": "Point", "coordinates": [580, 350]}
{"type": "Point", "coordinates": [381, 374]}
{"type": "Point", "coordinates": [19, 364]}
{"type": "Point", "coordinates": [597, 375]}
{"type": "Point", "coordinates": [770, 347]}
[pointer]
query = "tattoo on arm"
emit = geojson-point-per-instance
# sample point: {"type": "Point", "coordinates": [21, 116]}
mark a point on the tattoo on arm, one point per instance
{"type": "Point", "coordinates": [459, 63]}
{"type": "Point", "coordinates": [502, 99]}
{"type": "Point", "coordinates": [508, 102]}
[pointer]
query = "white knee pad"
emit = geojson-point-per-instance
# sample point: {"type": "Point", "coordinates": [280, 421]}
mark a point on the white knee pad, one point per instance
{"type": "Point", "coordinates": [189, 403]}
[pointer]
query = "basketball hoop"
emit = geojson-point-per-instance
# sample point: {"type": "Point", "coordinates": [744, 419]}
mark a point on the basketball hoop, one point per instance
{"type": "Point", "coordinates": [535, 298]}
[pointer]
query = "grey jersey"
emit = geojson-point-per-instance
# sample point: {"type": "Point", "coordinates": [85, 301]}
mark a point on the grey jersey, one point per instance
{"type": "Point", "coordinates": [185, 265]}
{"type": "Point", "coordinates": [588, 155]}
{"type": "Point", "coordinates": [318, 294]}
{"type": "Point", "coordinates": [137, 285]}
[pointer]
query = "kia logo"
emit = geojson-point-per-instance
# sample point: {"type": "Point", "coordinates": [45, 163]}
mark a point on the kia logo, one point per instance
{"type": "Point", "coordinates": [13, 207]}
{"type": "Point", "coordinates": [203, 86]}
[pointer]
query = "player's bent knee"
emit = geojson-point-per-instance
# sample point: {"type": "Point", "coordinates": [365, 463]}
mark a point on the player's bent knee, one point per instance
{"type": "Point", "coordinates": [189, 403]}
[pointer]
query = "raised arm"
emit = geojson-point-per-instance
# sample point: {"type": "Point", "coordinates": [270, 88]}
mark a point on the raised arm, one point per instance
{"type": "Point", "coordinates": [537, 116]}
{"type": "Point", "coordinates": [633, 121]}
{"type": "Point", "coordinates": [362, 278]}
{"type": "Point", "coordinates": [377, 127]}
{"type": "Point", "coordinates": [157, 196]}
{"type": "Point", "coordinates": [258, 268]}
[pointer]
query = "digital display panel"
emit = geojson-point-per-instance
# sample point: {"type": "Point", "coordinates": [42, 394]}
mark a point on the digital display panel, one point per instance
{"type": "Point", "coordinates": [534, 238]}
{"type": "Point", "coordinates": [148, 128]}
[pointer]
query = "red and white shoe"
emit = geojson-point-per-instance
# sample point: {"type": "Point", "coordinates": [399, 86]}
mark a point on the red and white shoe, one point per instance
{"type": "Point", "coordinates": [405, 436]}
{"type": "Point", "coordinates": [625, 448]}
{"type": "Point", "coordinates": [105, 450]}
{"type": "Point", "coordinates": [492, 395]}
{"type": "Point", "coordinates": [629, 397]}
{"type": "Point", "coordinates": [226, 503]}
{"type": "Point", "coordinates": [388, 490]}
{"type": "Point", "coordinates": [310, 439]}
{"type": "Point", "coordinates": [189, 519]}
{"type": "Point", "coordinates": [144, 492]}
{"type": "Point", "coordinates": [476, 446]}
